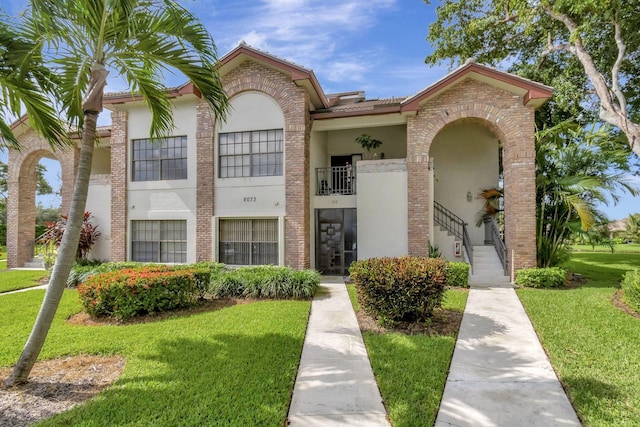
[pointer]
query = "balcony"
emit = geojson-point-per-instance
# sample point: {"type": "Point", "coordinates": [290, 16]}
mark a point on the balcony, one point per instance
{"type": "Point", "coordinates": [336, 180]}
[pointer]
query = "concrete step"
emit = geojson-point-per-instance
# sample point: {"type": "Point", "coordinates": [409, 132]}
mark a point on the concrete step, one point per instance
{"type": "Point", "coordinates": [487, 268]}
{"type": "Point", "coordinates": [36, 262]}
{"type": "Point", "coordinates": [477, 279]}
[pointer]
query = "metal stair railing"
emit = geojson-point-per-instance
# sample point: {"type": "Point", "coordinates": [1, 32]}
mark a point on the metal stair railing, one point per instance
{"type": "Point", "coordinates": [455, 225]}
{"type": "Point", "coordinates": [498, 243]}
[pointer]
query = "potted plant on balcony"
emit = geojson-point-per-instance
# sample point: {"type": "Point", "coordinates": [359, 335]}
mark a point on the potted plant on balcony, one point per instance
{"type": "Point", "coordinates": [368, 142]}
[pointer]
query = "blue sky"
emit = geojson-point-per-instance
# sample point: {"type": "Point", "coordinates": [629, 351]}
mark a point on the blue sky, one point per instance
{"type": "Point", "coordinates": [377, 46]}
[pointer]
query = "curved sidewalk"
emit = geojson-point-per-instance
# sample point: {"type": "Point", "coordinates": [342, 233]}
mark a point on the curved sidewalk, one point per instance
{"type": "Point", "coordinates": [335, 384]}
{"type": "Point", "coordinates": [499, 374]}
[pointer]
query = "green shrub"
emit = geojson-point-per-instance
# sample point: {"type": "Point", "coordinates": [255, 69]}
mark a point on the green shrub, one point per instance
{"type": "Point", "coordinates": [457, 274]}
{"type": "Point", "coordinates": [400, 289]}
{"type": "Point", "coordinates": [125, 293]}
{"type": "Point", "coordinates": [203, 272]}
{"type": "Point", "coordinates": [631, 289]}
{"type": "Point", "coordinates": [550, 277]}
{"type": "Point", "coordinates": [265, 282]}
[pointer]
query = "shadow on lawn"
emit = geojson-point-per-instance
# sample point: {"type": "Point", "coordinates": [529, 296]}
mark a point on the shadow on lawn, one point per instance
{"type": "Point", "coordinates": [589, 393]}
{"type": "Point", "coordinates": [230, 380]}
{"type": "Point", "coordinates": [603, 269]}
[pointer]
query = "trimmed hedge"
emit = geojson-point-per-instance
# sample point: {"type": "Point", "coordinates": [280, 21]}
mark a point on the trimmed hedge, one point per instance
{"type": "Point", "coordinates": [132, 291]}
{"type": "Point", "coordinates": [124, 290]}
{"type": "Point", "coordinates": [631, 289]}
{"type": "Point", "coordinates": [551, 277]}
{"type": "Point", "coordinates": [265, 282]}
{"type": "Point", "coordinates": [457, 274]}
{"type": "Point", "coordinates": [405, 289]}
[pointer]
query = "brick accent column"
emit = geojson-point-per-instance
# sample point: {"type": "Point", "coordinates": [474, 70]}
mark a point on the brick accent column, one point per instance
{"type": "Point", "coordinates": [520, 199]}
{"type": "Point", "coordinates": [21, 211]}
{"type": "Point", "coordinates": [119, 178]}
{"type": "Point", "coordinates": [205, 170]}
{"type": "Point", "coordinates": [418, 204]}
{"type": "Point", "coordinates": [297, 161]}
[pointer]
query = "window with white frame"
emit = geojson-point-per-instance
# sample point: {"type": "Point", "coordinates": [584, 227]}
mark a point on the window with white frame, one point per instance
{"type": "Point", "coordinates": [159, 241]}
{"type": "Point", "coordinates": [252, 153]}
{"type": "Point", "coordinates": [248, 241]}
{"type": "Point", "coordinates": [159, 159]}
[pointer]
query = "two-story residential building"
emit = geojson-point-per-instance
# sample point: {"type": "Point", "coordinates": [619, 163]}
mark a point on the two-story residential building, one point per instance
{"type": "Point", "coordinates": [283, 180]}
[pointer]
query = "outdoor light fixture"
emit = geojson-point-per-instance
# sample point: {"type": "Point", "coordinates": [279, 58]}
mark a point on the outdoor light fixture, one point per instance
{"type": "Point", "coordinates": [469, 196]}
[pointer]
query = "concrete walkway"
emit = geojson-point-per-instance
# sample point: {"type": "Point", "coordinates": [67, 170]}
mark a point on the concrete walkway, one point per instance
{"type": "Point", "coordinates": [335, 384]}
{"type": "Point", "coordinates": [25, 289]}
{"type": "Point", "coordinates": [499, 374]}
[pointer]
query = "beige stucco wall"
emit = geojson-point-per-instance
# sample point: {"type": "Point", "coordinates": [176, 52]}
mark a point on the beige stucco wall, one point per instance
{"type": "Point", "coordinates": [165, 199]}
{"type": "Point", "coordinates": [318, 158]}
{"type": "Point", "coordinates": [465, 160]}
{"type": "Point", "coordinates": [99, 201]}
{"type": "Point", "coordinates": [249, 196]}
{"type": "Point", "coordinates": [382, 208]}
{"type": "Point", "coordinates": [394, 141]}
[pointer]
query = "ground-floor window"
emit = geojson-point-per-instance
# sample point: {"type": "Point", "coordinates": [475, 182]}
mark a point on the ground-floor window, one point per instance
{"type": "Point", "coordinates": [159, 241]}
{"type": "Point", "coordinates": [248, 241]}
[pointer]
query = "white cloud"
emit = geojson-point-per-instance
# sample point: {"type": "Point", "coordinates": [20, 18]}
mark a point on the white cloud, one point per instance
{"type": "Point", "coordinates": [340, 71]}
{"type": "Point", "coordinates": [303, 31]}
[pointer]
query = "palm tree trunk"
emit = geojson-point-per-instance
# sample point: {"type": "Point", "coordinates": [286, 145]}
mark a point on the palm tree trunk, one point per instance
{"type": "Point", "coordinates": [66, 257]}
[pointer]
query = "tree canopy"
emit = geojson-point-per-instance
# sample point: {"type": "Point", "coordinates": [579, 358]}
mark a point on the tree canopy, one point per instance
{"type": "Point", "coordinates": [588, 50]}
{"type": "Point", "coordinates": [26, 85]}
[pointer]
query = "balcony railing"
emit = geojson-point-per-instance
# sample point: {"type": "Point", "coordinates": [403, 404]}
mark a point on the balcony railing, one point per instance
{"type": "Point", "coordinates": [335, 180]}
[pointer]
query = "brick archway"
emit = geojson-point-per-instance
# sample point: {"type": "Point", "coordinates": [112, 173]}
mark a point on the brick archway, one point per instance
{"type": "Point", "coordinates": [21, 182]}
{"type": "Point", "coordinates": [513, 123]}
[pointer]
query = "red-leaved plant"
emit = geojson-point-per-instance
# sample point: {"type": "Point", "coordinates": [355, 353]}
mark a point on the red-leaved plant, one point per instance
{"type": "Point", "coordinates": [88, 236]}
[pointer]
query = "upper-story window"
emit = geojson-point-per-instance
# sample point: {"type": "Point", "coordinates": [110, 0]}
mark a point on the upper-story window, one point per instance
{"type": "Point", "coordinates": [252, 153]}
{"type": "Point", "coordinates": [159, 159]}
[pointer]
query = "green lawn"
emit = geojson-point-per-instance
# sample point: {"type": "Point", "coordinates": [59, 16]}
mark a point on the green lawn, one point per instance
{"type": "Point", "coordinates": [232, 367]}
{"type": "Point", "coordinates": [411, 370]}
{"type": "Point", "coordinates": [593, 346]}
{"type": "Point", "coordinates": [633, 248]}
{"type": "Point", "coordinates": [10, 280]}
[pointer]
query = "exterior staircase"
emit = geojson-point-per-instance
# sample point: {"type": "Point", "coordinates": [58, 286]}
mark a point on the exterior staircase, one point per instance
{"type": "Point", "coordinates": [487, 269]}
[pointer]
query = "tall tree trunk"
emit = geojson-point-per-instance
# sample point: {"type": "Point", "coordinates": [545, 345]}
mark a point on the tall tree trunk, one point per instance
{"type": "Point", "coordinates": [69, 245]}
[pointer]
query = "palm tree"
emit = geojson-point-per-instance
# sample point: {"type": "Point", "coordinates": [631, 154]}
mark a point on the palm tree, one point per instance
{"type": "Point", "coordinates": [26, 83]}
{"type": "Point", "coordinates": [632, 232]}
{"type": "Point", "coordinates": [573, 175]}
{"type": "Point", "coordinates": [138, 39]}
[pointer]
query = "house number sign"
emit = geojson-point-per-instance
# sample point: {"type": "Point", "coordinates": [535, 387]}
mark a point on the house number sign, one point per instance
{"type": "Point", "coordinates": [250, 199]}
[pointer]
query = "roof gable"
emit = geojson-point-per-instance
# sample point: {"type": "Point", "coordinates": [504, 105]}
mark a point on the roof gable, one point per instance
{"type": "Point", "coordinates": [301, 76]}
{"type": "Point", "coordinates": [533, 94]}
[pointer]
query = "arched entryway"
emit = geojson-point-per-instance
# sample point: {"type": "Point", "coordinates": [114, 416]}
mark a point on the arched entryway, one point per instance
{"type": "Point", "coordinates": [465, 159]}
{"type": "Point", "coordinates": [21, 182]}
{"type": "Point", "coordinates": [476, 103]}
